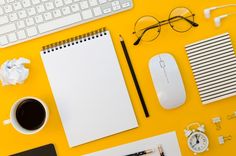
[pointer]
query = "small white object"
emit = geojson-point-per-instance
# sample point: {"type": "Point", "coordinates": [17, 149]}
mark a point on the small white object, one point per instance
{"type": "Point", "coordinates": [66, 10]}
{"type": "Point", "coordinates": [87, 14]}
{"type": "Point", "coordinates": [218, 19]}
{"type": "Point", "coordinates": [169, 142]}
{"type": "Point", "coordinates": [31, 11]}
{"type": "Point", "coordinates": [84, 5]}
{"type": "Point", "coordinates": [231, 116]}
{"type": "Point", "coordinates": [3, 20]}
{"type": "Point", "coordinates": [13, 72]}
{"type": "Point", "coordinates": [97, 11]}
{"type": "Point", "coordinates": [26, 3]}
{"type": "Point", "coordinates": [12, 37]}
{"type": "Point", "coordinates": [167, 81]}
{"type": "Point", "coordinates": [222, 139]}
{"type": "Point", "coordinates": [3, 40]}
{"type": "Point", "coordinates": [21, 34]}
{"type": "Point", "coordinates": [207, 12]}
{"type": "Point", "coordinates": [20, 24]}
{"type": "Point", "coordinates": [32, 31]}
{"type": "Point", "coordinates": [217, 121]}
{"type": "Point", "coordinates": [7, 28]}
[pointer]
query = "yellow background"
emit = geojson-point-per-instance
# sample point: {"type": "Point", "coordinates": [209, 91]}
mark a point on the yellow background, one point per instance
{"type": "Point", "coordinates": [161, 121]}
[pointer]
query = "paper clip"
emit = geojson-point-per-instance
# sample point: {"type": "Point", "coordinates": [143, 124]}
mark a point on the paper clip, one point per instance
{"type": "Point", "coordinates": [217, 121]}
{"type": "Point", "coordinates": [232, 116]}
{"type": "Point", "coordinates": [223, 139]}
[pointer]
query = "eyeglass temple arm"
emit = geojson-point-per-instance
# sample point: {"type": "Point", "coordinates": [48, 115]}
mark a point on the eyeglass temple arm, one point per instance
{"type": "Point", "coordinates": [189, 21]}
{"type": "Point", "coordinates": [141, 36]}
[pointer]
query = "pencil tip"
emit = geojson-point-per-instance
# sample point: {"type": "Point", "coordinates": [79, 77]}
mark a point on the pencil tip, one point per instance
{"type": "Point", "coordinates": [121, 38]}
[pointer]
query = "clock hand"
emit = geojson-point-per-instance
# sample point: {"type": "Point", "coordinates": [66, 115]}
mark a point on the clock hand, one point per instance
{"type": "Point", "coordinates": [194, 145]}
{"type": "Point", "coordinates": [197, 137]}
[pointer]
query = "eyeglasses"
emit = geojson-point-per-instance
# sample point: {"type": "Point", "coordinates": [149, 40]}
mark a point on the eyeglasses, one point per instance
{"type": "Point", "coordinates": [148, 28]}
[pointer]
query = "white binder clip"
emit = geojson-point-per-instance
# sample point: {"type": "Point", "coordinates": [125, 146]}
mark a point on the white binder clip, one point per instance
{"type": "Point", "coordinates": [231, 116]}
{"type": "Point", "coordinates": [223, 139]}
{"type": "Point", "coordinates": [217, 121]}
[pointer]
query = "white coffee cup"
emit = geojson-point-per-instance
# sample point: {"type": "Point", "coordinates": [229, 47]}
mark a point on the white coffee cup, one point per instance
{"type": "Point", "coordinates": [15, 123]}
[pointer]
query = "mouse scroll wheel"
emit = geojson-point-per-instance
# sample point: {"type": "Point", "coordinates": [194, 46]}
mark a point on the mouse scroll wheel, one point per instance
{"type": "Point", "coordinates": [162, 64]}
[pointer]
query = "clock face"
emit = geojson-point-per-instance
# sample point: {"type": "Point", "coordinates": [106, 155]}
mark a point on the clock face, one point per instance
{"type": "Point", "coordinates": [198, 142]}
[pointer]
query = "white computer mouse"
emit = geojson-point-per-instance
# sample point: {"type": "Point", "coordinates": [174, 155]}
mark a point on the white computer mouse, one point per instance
{"type": "Point", "coordinates": [167, 81]}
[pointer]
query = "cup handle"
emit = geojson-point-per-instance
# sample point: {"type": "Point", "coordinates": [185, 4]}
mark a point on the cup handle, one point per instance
{"type": "Point", "coordinates": [7, 122]}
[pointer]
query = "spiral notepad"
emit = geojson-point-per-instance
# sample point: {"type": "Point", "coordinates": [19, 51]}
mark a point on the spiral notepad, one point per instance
{"type": "Point", "coordinates": [88, 87]}
{"type": "Point", "coordinates": [213, 63]}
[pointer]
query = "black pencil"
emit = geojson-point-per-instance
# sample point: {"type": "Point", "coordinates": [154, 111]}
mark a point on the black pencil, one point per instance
{"type": "Point", "coordinates": [134, 77]}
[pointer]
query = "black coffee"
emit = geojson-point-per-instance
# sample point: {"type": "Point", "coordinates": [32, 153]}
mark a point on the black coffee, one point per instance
{"type": "Point", "coordinates": [30, 114]}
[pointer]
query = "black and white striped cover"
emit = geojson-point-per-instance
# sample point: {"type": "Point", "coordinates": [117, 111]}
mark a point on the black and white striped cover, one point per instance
{"type": "Point", "coordinates": [213, 63]}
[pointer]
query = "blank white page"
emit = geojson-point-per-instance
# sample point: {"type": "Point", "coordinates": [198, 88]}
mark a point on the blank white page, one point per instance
{"type": "Point", "coordinates": [89, 90]}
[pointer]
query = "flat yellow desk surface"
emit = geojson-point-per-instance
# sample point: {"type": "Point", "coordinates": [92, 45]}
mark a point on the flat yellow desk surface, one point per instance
{"type": "Point", "coordinates": [161, 121]}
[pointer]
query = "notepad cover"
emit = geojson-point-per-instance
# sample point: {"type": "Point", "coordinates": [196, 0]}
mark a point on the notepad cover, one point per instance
{"type": "Point", "coordinates": [213, 63]}
{"type": "Point", "coordinates": [89, 88]}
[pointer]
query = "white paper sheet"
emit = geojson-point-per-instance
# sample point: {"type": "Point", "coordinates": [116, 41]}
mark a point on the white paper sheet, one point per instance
{"type": "Point", "coordinates": [168, 141]}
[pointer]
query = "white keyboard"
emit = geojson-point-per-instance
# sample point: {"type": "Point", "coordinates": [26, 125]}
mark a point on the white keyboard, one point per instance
{"type": "Point", "coordinates": [22, 20]}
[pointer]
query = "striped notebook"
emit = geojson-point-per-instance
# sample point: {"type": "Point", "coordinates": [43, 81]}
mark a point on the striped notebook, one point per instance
{"type": "Point", "coordinates": [213, 63]}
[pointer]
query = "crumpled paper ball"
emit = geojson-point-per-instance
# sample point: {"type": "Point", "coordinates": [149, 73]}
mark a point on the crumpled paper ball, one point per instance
{"type": "Point", "coordinates": [13, 72]}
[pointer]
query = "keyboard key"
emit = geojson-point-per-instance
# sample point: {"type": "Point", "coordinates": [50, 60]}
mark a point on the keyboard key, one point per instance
{"type": "Point", "coordinates": [2, 2]}
{"type": "Point", "coordinates": [87, 14]}
{"type": "Point", "coordinates": [125, 5]}
{"type": "Point", "coordinates": [17, 6]}
{"type": "Point", "coordinates": [49, 6]}
{"type": "Point", "coordinates": [67, 2]}
{"type": "Point", "coordinates": [58, 3]}
{"type": "Point", "coordinates": [84, 5]}
{"type": "Point", "coordinates": [1, 11]}
{"type": "Point", "coordinates": [97, 11]}
{"type": "Point", "coordinates": [56, 13]}
{"type": "Point", "coordinates": [59, 23]}
{"type": "Point", "coordinates": [115, 3]}
{"type": "Point", "coordinates": [31, 11]}
{"type": "Point", "coordinates": [117, 7]}
{"type": "Point", "coordinates": [93, 2]}
{"type": "Point", "coordinates": [21, 34]}
{"type": "Point", "coordinates": [66, 10]}
{"type": "Point", "coordinates": [29, 21]}
{"type": "Point", "coordinates": [3, 20]}
{"type": "Point", "coordinates": [12, 37]}
{"type": "Point", "coordinates": [75, 7]}
{"type": "Point", "coordinates": [107, 10]}
{"type": "Point", "coordinates": [20, 24]}
{"type": "Point", "coordinates": [26, 3]}
{"type": "Point", "coordinates": [13, 17]}
{"type": "Point", "coordinates": [3, 40]}
{"type": "Point", "coordinates": [38, 19]}
{"type": "Point", "coordinates": [7, 28]}
{"type": "Point", "coordinates": [40, 8]}
{"type": "Point", "coordinates": [32, 31]}
{"type": "Point", "coordinates": [35, 1]}
{"type": "Point", "coordinates": [102, 1]}
{"type": "Point", "coordinates": [8, 8]}
{"type": "Point", "coordinates": [47, 16]}
{"type": "Point", "coordinates": [22, 14]}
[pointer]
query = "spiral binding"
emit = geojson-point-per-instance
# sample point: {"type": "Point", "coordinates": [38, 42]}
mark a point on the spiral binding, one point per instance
{"type": "Point", "coordinates": [74, 40]}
